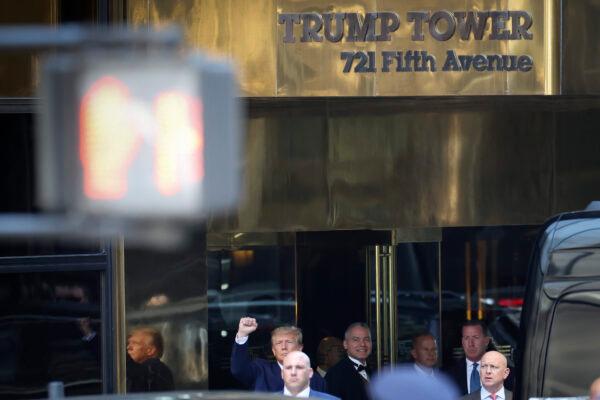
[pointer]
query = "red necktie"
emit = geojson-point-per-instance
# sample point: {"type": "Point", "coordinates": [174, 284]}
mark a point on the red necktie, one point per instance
{"type": "Point", "coordinates": [493, 395]}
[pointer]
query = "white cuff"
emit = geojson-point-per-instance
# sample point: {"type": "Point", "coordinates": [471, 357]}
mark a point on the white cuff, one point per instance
{"type": "Point", "coordinates": [241, 340]}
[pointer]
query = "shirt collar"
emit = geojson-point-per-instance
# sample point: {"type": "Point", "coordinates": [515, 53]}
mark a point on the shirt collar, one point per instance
{"type": "Point", "coordinates": [486, 395]}
{"type": "Point", "coordinates": [355, 361]}
{"type": "Point", "coordinates": [305, 393]}
{"type": "Point", "coordinates": [470, 363]}
{"type": "Point", "coordinates": [280, 365]}
{"type": "Point", "coordinates": [423, 370]}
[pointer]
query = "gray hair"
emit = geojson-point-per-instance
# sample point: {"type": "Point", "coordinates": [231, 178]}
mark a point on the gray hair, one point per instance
{"type": "Point", "coordinates": [356, 325]}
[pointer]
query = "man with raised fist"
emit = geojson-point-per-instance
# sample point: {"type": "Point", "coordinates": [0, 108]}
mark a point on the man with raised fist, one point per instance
{"type": "Point", "coordinates": [262, 375]}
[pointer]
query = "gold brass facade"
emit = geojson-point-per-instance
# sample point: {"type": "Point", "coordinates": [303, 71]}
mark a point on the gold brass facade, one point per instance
{"type": "Point", "coordinates": [239, 29]}
{"type": "Point", "coordinates": [249, 33]}
{"type": "Point", "coordinates": [329, 164]}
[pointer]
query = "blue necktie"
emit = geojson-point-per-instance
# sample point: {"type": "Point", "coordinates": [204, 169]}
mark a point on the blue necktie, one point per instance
{"type": "Point", "coordinates": [475, 383]}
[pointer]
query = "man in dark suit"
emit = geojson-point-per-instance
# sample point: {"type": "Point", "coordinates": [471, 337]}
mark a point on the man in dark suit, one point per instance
{"type": "Point", "coordinates": [348, 379]}
{"type": "Point", "coordinates": [296, 374]}
{"type": "Point", "coordinates": [465, 373]}
{"type": "Point", "coordinates": [494, 371]}
{"type": "Point", "coordinates": [262, 375]}
{"type": "Point", "coordinates": [145, 371]}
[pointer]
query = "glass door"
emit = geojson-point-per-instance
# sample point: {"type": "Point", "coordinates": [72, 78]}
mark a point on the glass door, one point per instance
{"type": "Point", "coordinates": [404, 294]}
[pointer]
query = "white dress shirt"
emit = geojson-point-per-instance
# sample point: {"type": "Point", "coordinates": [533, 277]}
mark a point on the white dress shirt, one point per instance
{"type": "Point", "coordinates": [485, 395]}
{"type": "Point", "coordinates": [304, 394]}
{"type": "Point", "coordinates": [428, 372]}
{"type": "Point", "coordinates": [362, 373]}
{"type": "Point", "coordinates": [241, 340]}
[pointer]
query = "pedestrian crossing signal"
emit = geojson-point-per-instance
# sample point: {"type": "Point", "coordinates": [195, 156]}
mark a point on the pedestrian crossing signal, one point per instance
{"type": "Point", "coordinates": [111, 118]}
{"type": "Point", "coordinates": [139, 138]}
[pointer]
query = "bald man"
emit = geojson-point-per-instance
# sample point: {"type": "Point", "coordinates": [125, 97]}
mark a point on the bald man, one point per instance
{"type": "Point", "coordinates": [296, 374]}
{"type": "Point", "coordinates": [424, 352]}
{"type": "Point", "coordinates": [494, 371]}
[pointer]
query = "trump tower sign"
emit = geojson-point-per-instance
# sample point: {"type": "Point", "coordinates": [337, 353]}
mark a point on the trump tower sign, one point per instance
{"type": "Point", "coordinates": [306, 48]}
{"type": "Point", "coordinates": [399, 48]}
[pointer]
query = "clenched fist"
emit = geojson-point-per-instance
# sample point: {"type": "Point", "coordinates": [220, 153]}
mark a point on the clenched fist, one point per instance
{"type": "Point", "coordinates": [246, 327]}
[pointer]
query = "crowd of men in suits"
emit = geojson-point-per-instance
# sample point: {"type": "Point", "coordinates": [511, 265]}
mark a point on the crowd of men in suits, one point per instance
{"type": "Point", "coordinates": [479, 375]}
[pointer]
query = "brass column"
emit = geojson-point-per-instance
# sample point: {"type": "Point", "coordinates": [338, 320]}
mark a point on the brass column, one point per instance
{"type": "Point", "coordinates": [385, 304]}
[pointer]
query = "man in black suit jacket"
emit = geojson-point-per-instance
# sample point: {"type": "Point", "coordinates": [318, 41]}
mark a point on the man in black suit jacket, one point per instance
{"type": "Point", "coordinates": [145, 371]}
{"type": "Point", "coordinates": [348, 379]}
{"type": "Point", "coordinates": [466, 372]}
{"type": "Point", "coordinates": [494, 371]}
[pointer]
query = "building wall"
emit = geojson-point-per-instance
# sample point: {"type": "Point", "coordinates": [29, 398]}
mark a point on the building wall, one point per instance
{"type": "Point", "coordinates": [326, 164]}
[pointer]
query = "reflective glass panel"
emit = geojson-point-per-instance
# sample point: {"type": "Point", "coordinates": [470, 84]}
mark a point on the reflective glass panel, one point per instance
{"type": "Point", "coordinates": [50, 331]}
{"type": "Point", "coordinates": [417, 267]}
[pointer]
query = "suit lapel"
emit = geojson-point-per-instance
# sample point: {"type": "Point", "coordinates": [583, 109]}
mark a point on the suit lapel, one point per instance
{"type": "Point", "coordinates": [463, 376]}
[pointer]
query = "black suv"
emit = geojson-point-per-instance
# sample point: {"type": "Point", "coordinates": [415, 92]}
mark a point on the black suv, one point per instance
{"type": "Point", "coordinates": [560, 348]}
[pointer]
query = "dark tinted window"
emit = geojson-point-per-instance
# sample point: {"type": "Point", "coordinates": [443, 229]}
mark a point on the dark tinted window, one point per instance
{"type": "Point", "coordinates": [573, 353]}
{"type": "Point", "coordinates": [49, 330]}
{"type": "Point", "coordinates": [18, 179]}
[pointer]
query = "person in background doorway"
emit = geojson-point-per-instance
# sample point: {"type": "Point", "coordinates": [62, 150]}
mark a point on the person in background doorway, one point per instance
{"type": "Point", "coordinates": [329, 353]}
{"type": "Point", "coordinates": [494, 371]}
{"type": "Point", "coordinates": [349, 378]}
{"type": "Point", "coordinates": [145, 371]}
{"type": "Point", "coordinates": [465, 373]}
{"type": "Point", "coordinates": [296, 374]}
{"type": "Point", "coordinates": [262, 375]}
{"type": "Point", "coordinates": [424, 352]}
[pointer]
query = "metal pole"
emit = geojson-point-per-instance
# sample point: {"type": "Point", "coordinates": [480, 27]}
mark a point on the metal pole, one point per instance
{"type": "Point", "coordinates": [378, 333]}
{"type": "Point", "coordinates": [56, 390]}
{"type": "Point", "coordinates": [74, 36]}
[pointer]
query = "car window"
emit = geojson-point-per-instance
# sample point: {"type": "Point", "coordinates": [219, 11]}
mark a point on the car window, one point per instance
{"type": "Point", "coordinates": [570, 234]}
{"type": "Point", "coordinates": [573, 354]}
